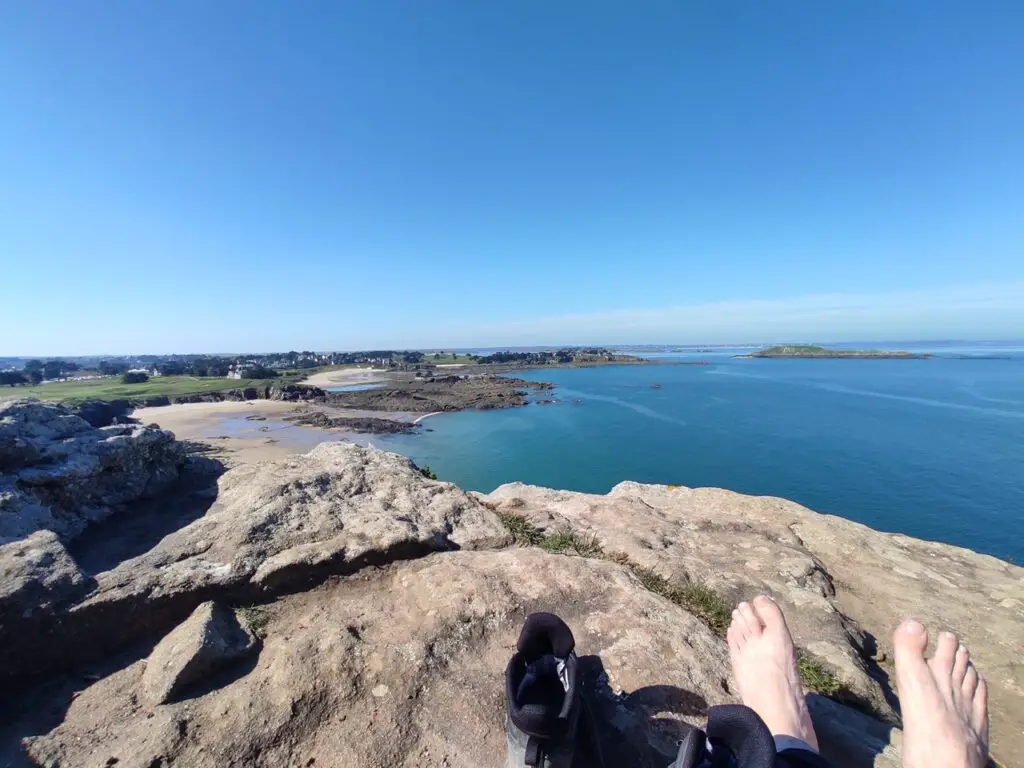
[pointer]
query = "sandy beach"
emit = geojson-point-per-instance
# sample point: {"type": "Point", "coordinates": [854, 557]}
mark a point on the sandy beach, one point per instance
{"type": "Point", "coordinates": [344, 376]}
{"type": "Point", "coordinates": [254, 430]}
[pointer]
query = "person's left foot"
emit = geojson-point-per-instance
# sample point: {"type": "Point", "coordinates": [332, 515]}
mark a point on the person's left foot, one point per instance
{"type": "Point", "coordinates": [764, 663]}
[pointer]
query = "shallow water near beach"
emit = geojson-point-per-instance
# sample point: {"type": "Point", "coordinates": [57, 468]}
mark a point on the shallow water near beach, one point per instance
{"type": "Point", "coordinates": [932, 448]}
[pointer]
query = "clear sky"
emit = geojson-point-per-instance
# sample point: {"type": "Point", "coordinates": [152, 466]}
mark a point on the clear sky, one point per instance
{"type": "Point", "coordinates": [256, 176]}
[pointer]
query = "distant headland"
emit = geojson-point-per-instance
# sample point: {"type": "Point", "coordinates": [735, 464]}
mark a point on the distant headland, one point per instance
{"type": "Point", "coordinates": [813, 351]}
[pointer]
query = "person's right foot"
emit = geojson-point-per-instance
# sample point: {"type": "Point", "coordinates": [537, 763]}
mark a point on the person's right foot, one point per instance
{"type": "Point", "coordinates": [944, 702]}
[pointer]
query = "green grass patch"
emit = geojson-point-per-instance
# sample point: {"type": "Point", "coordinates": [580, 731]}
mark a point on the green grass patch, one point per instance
{"type": "Point", "coordinates": [816, 677]}
{"type": "Point", "coordinates": [707, 605]}
{"type": "Point", "coordinates": [255, 618]}
{"type": "Point", "coordinates": [568, 542]}
{"type": "Point", "coordinates": [111, 388]}
{"type": "Point", "coordinates": [696, 597]}
{"type": "Point", "coordinates": [523, 531]}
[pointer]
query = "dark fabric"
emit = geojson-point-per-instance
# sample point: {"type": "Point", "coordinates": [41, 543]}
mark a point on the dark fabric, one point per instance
{"type": "Point", "coordinates": [692, 751]}
{"type": "Point", "coordinates": [801, 758]}
{"type": "Point", "coordinates": [533, 754]}
{"type": "Point", "coordinates": [739, 739]}
{"type": "Point", "coordinates": [736, 729]}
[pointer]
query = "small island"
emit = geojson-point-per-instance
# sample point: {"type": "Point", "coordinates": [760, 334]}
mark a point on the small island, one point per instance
{"type": "Point", "coordinates": [813, 351]}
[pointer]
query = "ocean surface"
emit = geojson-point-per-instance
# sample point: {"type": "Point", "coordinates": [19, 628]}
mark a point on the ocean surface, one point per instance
{"type": "Point", "coordinates": [932, 448]}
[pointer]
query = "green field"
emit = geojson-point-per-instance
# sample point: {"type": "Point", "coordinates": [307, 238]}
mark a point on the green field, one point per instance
{"type": "Point", "coordinates": [111, 388]}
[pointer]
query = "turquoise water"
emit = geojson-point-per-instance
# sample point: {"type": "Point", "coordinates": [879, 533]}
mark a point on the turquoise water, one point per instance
{"type": "Point", "coordinates": [932, 448]}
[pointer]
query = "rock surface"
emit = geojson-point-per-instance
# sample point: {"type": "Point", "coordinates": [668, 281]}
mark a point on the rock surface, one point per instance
{"type": "Point", "coordinates": [61, 474]}
{"type": "Point", "coordinates": [36, 575]}
{"type": "Point", "coordinates": [403, 668]}
{"type": "Point", "coordinates": [843, 586]}
{"type": "Point", "coordinates": [444, 393]}
{"type": "Point", "coordinates": [208, 640]}
{"type": "Point", "coordinates": [274, 527]}
{"type": "Point", "coordinates": [384, 645]}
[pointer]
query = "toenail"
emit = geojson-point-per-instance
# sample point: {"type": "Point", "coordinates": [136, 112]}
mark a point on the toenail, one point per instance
{"type": "Point", "coordinates": [911, 627]}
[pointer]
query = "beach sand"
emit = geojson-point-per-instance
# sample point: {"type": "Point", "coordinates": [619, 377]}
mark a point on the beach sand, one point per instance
{"type": "Point", "coordinates": [254, 430]}
{"type": "Point", "coordinates": [344, 376]}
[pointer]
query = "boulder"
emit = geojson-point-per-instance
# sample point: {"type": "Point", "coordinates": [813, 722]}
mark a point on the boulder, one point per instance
{"type": "Point", "coordinates": [404, 667]}
{"type": "Point", "coordinates": [208, 640]}
{"type": "Point", "coordinates": [37, 575]}
{"type": "Point", "coordinates": [61, 473]}
{"type": "Point", "coordinates": [102, 413]}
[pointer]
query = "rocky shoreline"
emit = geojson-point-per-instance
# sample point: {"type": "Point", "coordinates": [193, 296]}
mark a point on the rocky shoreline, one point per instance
{"type": "Point", "coordinates": [342, 609]}
{"type": "Point", "coordinates": [441, 393]}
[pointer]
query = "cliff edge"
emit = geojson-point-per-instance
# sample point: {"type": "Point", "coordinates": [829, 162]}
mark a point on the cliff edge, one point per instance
{"type": "Point", "coordinates": [339, 609]}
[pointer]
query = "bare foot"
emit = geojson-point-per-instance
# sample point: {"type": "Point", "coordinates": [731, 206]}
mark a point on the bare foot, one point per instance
{"type": "Point", "coordinates": [764, 663]}
{"type": "Point", "coordinates": [944, 702]}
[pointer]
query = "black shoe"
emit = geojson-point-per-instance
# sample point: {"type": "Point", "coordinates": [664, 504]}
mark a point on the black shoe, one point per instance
{"type": "Point", "coordinates": [542, 693]}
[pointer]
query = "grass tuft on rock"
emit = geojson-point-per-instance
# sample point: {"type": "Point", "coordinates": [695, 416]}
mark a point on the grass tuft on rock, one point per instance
{"type": "Point", "coordinates": [255, 618]}
{"type": "Point", "coordinates": [816, 677]}
{"type": "Point", "coordinates": [523, 531]}
{"type": "Point", "coordinates": [570, 542]}
{"type": "Point", "coordinates": [694, 596]}
{"type": "Point", "coordinates": [707, 605]}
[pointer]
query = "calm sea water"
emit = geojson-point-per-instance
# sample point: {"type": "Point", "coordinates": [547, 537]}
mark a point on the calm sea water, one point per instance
{"type": "Point", "coordinates": [932, 448]}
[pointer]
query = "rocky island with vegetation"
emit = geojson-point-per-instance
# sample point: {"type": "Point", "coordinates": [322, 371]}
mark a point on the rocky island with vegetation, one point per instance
{"type": "Point", "coordinates": [814, 351]}
{"type": "Point", "coordinates": [341, 607]}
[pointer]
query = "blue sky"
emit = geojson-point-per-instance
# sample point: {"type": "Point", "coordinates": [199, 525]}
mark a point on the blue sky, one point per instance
{"type": "Point", "coordinates": [333, 175]}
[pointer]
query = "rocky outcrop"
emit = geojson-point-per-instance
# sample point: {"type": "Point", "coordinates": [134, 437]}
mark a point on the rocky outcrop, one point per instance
{"type": "Point", "coordinates": [59, 473]}
{"type": "Point", "coordinates": [103, 413]}
{"type": "Point", "coordinates": [844, 587]}
{"type": "Point", "coordinates": [367, 424]}
{"type": "Point", "coordinates": [449, 393]}
{"type": "Point", "coordinates": [404, 668]}
{"type": "Point", "coordinates": [388, 605]}
{"type": "Point", "coordinates": [287, 392]}
{"type": "Point", "coordinates": [37, 575]}
{"type": "Point", "coordinates": [274, 528]}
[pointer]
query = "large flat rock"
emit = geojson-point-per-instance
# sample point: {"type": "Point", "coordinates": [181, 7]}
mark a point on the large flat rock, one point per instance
{"type": "Point", "coordinates": [275, 527]}
{"type": "Point", "coordinates": [403, 667]}
{"type": "Point", "coordinates": [844, 586]}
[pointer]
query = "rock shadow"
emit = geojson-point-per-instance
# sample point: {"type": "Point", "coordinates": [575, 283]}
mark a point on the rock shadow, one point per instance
{"type": "Point", "coordinates": [649, 716]}
{"type": "Point", "coordinates": [882, 675]}
{"type": "Point", "coordinates": [37, 706]}
{"type": "Point", "coordinates": [139, 526]}
{"type": "Point", "coordinates": [222, 677]}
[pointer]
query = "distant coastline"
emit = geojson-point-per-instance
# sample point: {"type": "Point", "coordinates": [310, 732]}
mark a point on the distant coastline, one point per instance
{"type": "Point", "coordinates": [816, 352]}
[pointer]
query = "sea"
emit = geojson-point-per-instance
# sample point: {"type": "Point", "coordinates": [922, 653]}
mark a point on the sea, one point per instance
{"type": "Point", "coordinates": [932, 448]}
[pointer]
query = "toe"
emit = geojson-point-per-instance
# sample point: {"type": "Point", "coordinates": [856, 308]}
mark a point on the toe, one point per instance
{"type": "Point", "coordinates": [738, 626]}
{"type": "Point", "coordinates": [912, 673]}
{"type": "Point", "coordinates": [770, 614]}
{"type": "Point", "coordinates": [969, 686]}
{"type": "Point", "coordinates": [960, 664]}
{"type": "Point", "coordinates": [943, 660]}
{"type": "Point", "coordinates": [750, 620]}
{"type": "Point", "coordinates": [979, 711]}
{"type": "Point", "coordinates": [732, 638]}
